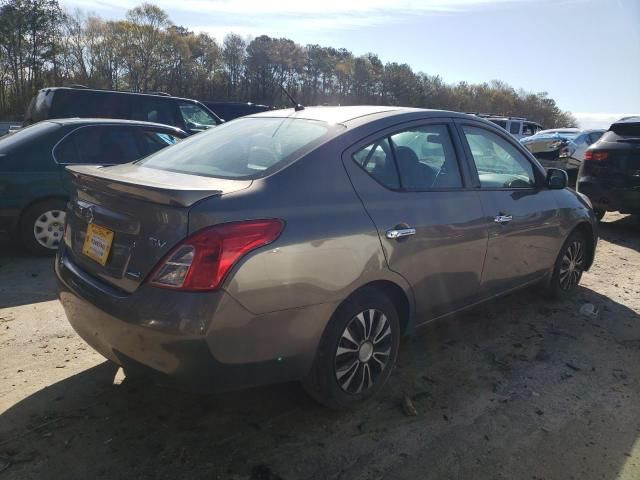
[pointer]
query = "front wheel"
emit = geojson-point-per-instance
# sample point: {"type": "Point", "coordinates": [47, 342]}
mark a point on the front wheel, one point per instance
{"type": "Point", "coordinates": [569, 266]}
{"type": "Point", "coordinates": [357, 352]}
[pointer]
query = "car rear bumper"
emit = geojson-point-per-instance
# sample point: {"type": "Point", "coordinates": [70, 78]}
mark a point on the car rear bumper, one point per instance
{"type": "Point", "coordinates": [201, 340]}
{"type": "Point", "coordinates": [608, 197]}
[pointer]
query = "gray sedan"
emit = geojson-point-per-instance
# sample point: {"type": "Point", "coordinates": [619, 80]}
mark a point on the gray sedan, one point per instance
{"type": "Point", "coordinates": [301, 245]}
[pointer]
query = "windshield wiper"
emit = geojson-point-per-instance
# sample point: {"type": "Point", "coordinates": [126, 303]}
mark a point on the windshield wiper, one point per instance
{"type": "Point", "coordinates": [630, 139]}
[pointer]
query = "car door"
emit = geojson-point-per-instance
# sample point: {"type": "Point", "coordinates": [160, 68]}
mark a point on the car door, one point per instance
{"type": "Point", "coordinates": [521, 215]}
{"type": "Point", "coordinates": [27, 170]}
{"type": "Point", "coordinates": [429, 221]}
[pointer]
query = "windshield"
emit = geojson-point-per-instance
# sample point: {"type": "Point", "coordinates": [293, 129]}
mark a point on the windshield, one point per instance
{"type": "Point", "coordinates": [243, 149]}
{"type": "Point", "coordinates": [195, 117]}
{"type": "Point", "coordinates": [622, 132]}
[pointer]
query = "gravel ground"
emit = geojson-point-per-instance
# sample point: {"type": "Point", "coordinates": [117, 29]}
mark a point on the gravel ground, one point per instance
{"type": "Point", "coordinates": [520, 388]}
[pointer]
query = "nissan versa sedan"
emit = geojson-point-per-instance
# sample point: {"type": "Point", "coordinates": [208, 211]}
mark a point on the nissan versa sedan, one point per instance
{"type": "Point", "coordinates": [301, 245]}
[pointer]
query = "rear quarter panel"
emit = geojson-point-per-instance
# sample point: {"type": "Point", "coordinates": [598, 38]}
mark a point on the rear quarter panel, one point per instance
{"type": "Point", "coordinates": [329, 246]}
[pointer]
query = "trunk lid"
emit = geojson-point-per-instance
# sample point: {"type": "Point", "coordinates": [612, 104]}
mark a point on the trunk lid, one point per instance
{"type": "Point", "coordinates": [546, 147]}
{"type": "Point", "coordinates": [622, 146]}
{"type": "Point", "coordinates": [146, 209]}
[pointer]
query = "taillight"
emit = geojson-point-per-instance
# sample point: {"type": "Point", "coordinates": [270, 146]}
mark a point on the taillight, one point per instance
{"type": "Point", "coordinates": [595, 155]}
{"type": "Point", "coordinates": [202, 260]}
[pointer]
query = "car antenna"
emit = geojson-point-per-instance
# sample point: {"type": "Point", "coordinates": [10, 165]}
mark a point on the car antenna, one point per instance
{"type": "Point", "coordinates": [297, 106]}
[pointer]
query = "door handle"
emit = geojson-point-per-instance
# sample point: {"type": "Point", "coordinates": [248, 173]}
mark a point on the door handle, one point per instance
{"type": "Point", "coordinates": [501, 219]}
{"type": "Point", "coordinates": [397, 233]}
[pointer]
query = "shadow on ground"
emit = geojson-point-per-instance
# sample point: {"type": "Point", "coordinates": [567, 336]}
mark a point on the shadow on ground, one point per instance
{"type": "Point", "coordinates": [25, 279]}
{"type": "Point", "coordinates": [519, 388]}
{"type": "Point", "coordinates": [621, 230]}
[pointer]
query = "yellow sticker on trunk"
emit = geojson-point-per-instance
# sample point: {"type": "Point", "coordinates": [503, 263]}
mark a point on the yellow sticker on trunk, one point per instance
{"type": "Point", "coordinates": [97, 243]}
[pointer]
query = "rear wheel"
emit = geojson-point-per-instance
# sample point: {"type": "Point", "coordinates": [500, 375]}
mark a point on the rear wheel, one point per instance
{"type": "Point", "coordinates": [357, 351]}
{"type": "Point", "coordinates": [569, 266]}
{"type": "Point", "coordinates": [42, 227]}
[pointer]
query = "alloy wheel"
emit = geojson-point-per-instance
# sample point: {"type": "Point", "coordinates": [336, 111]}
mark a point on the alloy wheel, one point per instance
{"type": "Point", "coordinates": [48, 228]}
{"type": "Point", "coordinates": [363, 351]}
{"type": "Point", "coordinates": [572, 265]}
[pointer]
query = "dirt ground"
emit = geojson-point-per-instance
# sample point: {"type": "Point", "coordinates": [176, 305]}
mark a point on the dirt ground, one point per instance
{"type": "Point", "coordinates": [520, 388]}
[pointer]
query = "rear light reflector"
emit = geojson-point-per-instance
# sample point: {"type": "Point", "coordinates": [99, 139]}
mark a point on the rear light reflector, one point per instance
{"type": "Point", "coordinates": [595, 155]}
{"type": "Point", "coordinates": [202, 260]}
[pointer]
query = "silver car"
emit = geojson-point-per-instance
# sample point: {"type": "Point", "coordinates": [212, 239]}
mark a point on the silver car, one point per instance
{"type": "Point", "coordinates": [301, 245]}
{"type": "Point", "coordinates": [561, 147]}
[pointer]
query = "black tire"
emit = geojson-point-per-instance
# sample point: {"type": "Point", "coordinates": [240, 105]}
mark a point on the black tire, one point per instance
{"type": "Point", "coordinates": [322, 383]}
{"type": "Point", "coordinates": [48, 209]}
{"type": "Point", "coordinates": [569, 266]}
{"type": "Point", "coordinates": [599, 213]}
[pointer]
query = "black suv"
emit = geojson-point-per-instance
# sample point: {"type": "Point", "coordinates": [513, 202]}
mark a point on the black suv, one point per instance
{"type": "Point", "coordinates": [610, 172]}
{"type": "Point", "coordinates": [230, 110]}
{"type": "Point", "coordinates": [71, 102]}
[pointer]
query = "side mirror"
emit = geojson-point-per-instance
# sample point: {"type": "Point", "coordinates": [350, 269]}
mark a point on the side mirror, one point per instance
{"type": "Point", "coordinates": [557, 179]}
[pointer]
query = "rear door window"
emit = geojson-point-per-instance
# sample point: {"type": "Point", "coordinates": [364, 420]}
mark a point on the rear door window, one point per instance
{"type": "Point", "coordinates": [426, 158]}
{"type": "Point", "coordinates": [100, 145]}
{"type": "Point", "coordinates": [377, 161]}
{"type": "Point", "coordinates": [71, 103]}
{"type": "Point", "coordinates": [514, 128]}
{"type": "Point", "coordinates": [150, 109]}
{"type": "Point", "coordinates": [153, 140]}
{"type": "Point", "coordinates": [110, 105]}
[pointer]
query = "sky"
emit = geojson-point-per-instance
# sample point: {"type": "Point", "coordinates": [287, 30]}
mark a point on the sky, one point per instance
{"type": "Point", "coordinates": [584, 53]}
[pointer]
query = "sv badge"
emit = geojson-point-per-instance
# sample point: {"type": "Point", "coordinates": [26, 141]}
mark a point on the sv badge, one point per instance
{"type": "Point", "coordinates": [154, 242]}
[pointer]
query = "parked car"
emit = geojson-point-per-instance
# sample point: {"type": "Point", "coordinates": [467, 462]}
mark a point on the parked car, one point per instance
{"type": "Point", "coordinates": [561, 147]}
{"type": "Point", "coordinates": [302, 245]}
{"type": "Point", "coordinates": [34, 188]}
{"type": "Point", "coordinates": [518, 127]}
{"type": "Point", "coordinates": [610, 172]}
{"type": "Point", "coordinates": [230, 110]}
{"type": "Point", "coordinates": [7, 127]}
{"type": "Point", "coordinates": [70, 102]}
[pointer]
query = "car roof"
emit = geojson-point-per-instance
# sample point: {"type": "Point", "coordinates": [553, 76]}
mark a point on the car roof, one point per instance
{"type": "Point", "coordinates": [346, 114]}
{"type": "Point", "coordinates": [560, 130]}
{"type": "Point", "coordinates": [111, 121]}
{"type": "Point", "coordinates": [625, 120]}
{"type": "Point", "coordinates": [101, 91]}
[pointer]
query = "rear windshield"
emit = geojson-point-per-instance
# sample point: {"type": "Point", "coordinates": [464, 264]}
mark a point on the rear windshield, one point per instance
{"type": "Point", "coordinates": [39, 107]}
{"type": "Point", "coordinates": [243, 149]}
{"type": "Point", "coordinates": [621, 132]}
